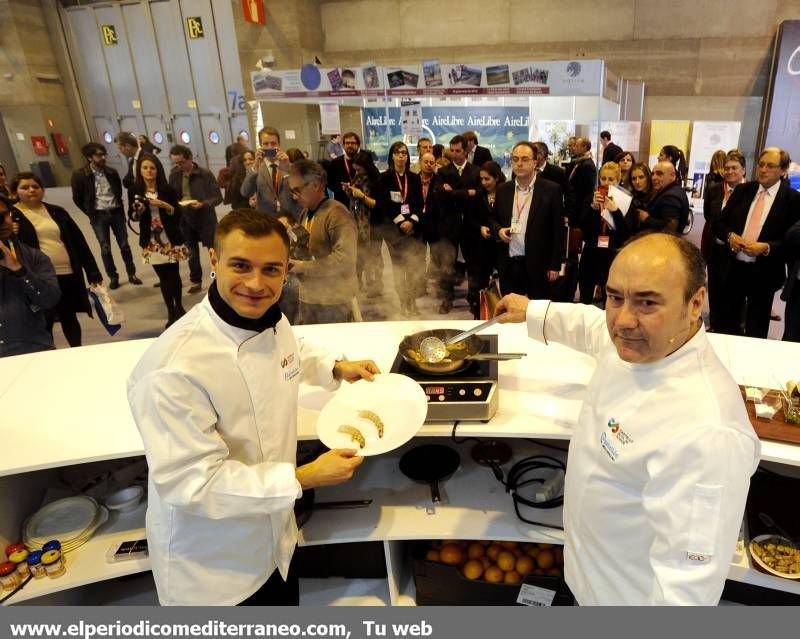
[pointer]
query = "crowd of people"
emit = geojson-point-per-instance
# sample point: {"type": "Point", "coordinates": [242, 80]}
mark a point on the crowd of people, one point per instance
{"type": "Point", "coordinates": [547, 232]}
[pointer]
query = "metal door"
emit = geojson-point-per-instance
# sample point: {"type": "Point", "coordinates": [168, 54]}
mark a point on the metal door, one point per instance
{"type": "Point", "coordinates": [201, 44]}
{"type": "Point", "coordinates": [121, 75]}
{"type": "Point", "coordinates": [106, 129]}
{"type": "Point", "coordinates": [167, 24]}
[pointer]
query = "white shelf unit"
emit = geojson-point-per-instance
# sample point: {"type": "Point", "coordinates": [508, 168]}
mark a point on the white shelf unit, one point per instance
{"type": "Point", "coordinates": [540, 398]}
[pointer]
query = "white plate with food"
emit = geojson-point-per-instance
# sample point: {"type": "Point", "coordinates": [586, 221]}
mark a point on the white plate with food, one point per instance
{"type": "Point", "coordinates": [187, 202]}
{"type": "Point", "coordinates": [777, 555]}
{"type": "Point", "coordinates": [373, 417]}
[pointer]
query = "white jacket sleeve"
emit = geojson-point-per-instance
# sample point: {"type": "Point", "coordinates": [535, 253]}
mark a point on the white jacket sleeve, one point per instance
{"type": "Point", "coordinates": [188, 459]}
{"type": "Point", "coordinates": [694, 501]}
{"type": "Point", "coordinates": [316, 364]}
{"type": "Point", "coordinates": [579, 326]}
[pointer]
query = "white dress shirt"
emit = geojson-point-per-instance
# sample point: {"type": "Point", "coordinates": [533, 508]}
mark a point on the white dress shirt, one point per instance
{"type": "Point", "coordinates": [519, 217]}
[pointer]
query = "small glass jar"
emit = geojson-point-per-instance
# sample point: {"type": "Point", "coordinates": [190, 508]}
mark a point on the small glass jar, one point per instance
{"type": "Point", "coordinates": [9, 577]}
{"type": "Point", "coordinates": [53, 544]}
{"type": "Point", "coordinates": [20, 558]}
{"type": "Point", "coordinates": [35, 565]}
{"type": "Point", "coordinates": [12, 548]}
{"type": "Point", "coordinates": [53, 563]}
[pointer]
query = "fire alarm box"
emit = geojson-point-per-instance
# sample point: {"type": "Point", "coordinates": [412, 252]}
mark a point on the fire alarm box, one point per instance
{"type": "Point", "coordinates": [60, 143]}
{"type": "Point", "coordinates": [39, 143]}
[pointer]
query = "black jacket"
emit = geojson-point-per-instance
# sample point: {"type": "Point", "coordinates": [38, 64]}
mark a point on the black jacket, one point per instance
{"type": "Point", "coordinates": [388, 212]}
{"type": "Point", "coordinates": [203, 187]}
{"type": "Point", "coordinates": [554, 174]}
{"type": "Point", "coordinates": [129, 180]}
{"type": "Point", "coordinates": [481, 156]}
{"type": "Point", "coordinates": [80, 255]}
{"type": "Point", "coordinates": [430, 212]}
{"type": "Point", "coordinates": [670, 203]}
{"type": "Point", "coordinates": [610, 152]}
{"type": "Point", "coordinates": [340, 170]}
{"type": "Point", "coordinates": [580, 188]}
{"type": "Point", "coordinates": [544, 233]}
{"type": "Point", "coordinates": [83, 193]}
{"type": "Point", "coordinates": [784, 213]}
{"type": "Point", "coordinates": [171, 222]}
{"type": "Point", "coordinates": [457, 208]}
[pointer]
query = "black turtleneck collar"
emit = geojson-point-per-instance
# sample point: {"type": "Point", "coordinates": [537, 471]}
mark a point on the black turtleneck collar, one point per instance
{"type": "Point", "coordinates": [312, 212]}
{"type": "Point", "coordinates": [268, 320]}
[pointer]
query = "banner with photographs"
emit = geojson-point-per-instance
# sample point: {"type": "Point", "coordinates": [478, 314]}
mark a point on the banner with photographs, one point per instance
{"type": "Point", "coordinates": [431, 78]}
{"type": "Point", "coordinates": [498, 128]}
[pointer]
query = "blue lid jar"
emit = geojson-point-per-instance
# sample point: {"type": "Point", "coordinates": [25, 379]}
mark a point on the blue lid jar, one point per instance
{"type": "Point", "coordinates": [51, 545]}
{"type": "Point", "coordinates": [34, 557]}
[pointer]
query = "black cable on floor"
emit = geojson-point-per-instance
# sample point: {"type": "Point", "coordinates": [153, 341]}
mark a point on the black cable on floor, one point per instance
{"type": "Point", "coordinates": [463, 440]}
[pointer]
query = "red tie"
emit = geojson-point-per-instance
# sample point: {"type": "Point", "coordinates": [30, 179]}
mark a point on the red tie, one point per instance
{"type": "Point", "coordinates": [753, 229]}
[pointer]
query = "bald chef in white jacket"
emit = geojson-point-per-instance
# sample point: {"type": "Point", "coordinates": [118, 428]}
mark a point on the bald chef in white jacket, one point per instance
{"type": "Point", "coordinates": [215, 400]}
{"type": "Point", "coordinates": [661, 458]}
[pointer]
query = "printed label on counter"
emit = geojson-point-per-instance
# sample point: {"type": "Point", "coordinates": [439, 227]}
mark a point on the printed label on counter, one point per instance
{"type": "Point", "coordinates": [535, 596]}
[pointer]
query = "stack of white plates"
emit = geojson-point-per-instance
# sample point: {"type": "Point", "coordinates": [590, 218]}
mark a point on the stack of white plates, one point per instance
{"type": "Point", "coordinates": [72, 521]}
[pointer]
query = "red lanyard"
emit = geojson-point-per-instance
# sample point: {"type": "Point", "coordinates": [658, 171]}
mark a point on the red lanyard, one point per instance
{"type": "Point", "coordinates": [403, 187]}
{"type": "Point", "coordinates": [347, 168]}
{"type": "Point", "coordinates": [277, 179]}
{"type": "Point", "coordinates": [520, 209]}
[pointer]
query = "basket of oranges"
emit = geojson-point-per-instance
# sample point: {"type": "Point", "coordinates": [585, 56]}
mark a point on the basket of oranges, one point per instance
{"type": "Point", "coordinates": [484, 572]}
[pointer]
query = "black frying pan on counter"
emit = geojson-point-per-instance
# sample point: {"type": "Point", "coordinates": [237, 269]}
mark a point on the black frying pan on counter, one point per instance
{"type": "Point", "coordinates": [430, 464]}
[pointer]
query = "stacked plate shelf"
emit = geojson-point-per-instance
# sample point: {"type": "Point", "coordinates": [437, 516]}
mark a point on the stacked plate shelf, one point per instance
{"type": "Point", "coordinates": [72, 521]}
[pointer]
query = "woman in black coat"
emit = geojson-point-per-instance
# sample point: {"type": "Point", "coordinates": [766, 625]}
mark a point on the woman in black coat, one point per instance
{"type": "Point", "coordinates": [50, 229]}
{"type": "Point", "coordinates": [398, 223]}
{"type": "Point", "coordinates": [156, 207]}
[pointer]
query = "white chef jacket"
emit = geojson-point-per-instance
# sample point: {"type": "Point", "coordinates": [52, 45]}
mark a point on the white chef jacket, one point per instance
{"type": "Point", "coordinates": [659, 469]}
{"type": "Point", "coordinates": [216, 406]}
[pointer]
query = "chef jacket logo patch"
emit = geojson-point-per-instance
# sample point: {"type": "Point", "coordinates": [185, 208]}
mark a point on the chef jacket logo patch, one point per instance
{"type": "Point", "coordinates": [287, 360]}
{"type": "Point", "coordinates": [621, 435]}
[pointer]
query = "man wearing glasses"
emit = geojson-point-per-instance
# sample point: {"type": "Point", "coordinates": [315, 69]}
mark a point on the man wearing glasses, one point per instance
{"type": "Point", "coordinates": [528, 219]}
{"type": "Point", "coordinates": [328, 283]}
{"type": "Point", "coordinates": [754, 225]}
{"type": "Point", "coordinates": [97, 191]}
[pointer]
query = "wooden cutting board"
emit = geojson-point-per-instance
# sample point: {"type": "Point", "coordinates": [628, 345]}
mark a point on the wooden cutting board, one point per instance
{"type": "Point", "coordinates": [776, 429]}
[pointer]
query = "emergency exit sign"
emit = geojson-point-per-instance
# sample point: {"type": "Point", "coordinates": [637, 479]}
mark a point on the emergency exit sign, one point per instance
{"type": "Point", "coordinates": [195, 27]}
{"type": "Point", "coordinates": [109, 32]}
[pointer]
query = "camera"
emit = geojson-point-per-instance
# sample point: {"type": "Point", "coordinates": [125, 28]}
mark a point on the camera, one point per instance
{"type": "Point", "coordinates": [270, 153]}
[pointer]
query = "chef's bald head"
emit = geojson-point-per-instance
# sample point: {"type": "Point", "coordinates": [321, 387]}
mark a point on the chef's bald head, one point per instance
{"type": "Point", "coordinates": [669, 246]}
{"type": "Point", "coordinates": [250, 222]}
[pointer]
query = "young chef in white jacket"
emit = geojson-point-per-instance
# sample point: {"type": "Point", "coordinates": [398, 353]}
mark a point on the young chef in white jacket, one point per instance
{"type": "Point", "coordinates": [661, 458]}
{"type": "Point", "coordinates": [215, 400]}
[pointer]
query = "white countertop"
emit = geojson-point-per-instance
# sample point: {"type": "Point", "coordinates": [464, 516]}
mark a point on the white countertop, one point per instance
{"type": "Point", "coordinates": [69, 406]}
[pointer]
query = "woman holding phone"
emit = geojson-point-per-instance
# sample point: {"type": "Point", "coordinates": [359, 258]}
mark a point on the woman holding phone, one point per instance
{"type": "Point", "coordinates": [604, 232]}
{"type": "Point", "coordinates": [156, 207]}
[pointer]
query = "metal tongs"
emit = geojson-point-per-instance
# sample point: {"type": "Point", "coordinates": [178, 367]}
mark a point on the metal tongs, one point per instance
{"type": "Point", "coordinates": [434, 350]}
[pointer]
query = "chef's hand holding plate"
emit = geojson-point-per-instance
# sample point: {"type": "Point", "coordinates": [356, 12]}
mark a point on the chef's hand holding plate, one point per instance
{"type": "Point", "coordinates": [354, 371]}
{"type": "Point", "coordinates": [513, 307]}
{"type": "Point", "coordinates": [329, 469]}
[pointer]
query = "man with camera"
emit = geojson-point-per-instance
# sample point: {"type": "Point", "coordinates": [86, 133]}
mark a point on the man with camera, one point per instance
{"type": "Point", "coordinates": [28, 286]}
{"type": "Point", "coordinates": [267, 178]}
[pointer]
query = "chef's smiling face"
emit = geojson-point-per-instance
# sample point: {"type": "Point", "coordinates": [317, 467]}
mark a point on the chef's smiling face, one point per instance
{"type": "Point", "coordinates": [250, 271]}
{"type": "Point", "coordinates": [647, 314]}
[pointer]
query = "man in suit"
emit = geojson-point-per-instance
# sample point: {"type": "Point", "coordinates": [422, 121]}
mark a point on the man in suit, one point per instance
{"type": "Point", "coordinates": [424, 145]}
{"type": "Point", "coordinates": [754, 225]}
{"type": "Point", "coordinates": [477, 155]}
{"type": "Point", "coordinates": [610, 150]}
{"type": "Point", "coordinates": [430, 220]}
{"type": "Point", "coordinates": [460, 184]}
{"type": "Point", "coordinates": [267, 178]}
{"type": "Point", "coordinates": [128, 146]}
{"type": "Point", "coordinates": [581, 182]}
{"type": "Point", "coordinates": [668, 211]}
{"type": "Point", "coordinates": [97, 191]}
{"type": "Point", "coordinates": [546, 170]}
{"type": "Point", "coordinates": [715, 251]}
{"type": "Point", "coordinates": [340, 170]}
{"type": "Point", "coordinates": [528, 219]}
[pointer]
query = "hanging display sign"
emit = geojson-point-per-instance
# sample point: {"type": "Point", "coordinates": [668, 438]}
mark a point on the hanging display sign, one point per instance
{"type": "Point", "coordinates": [708, 137]}
{"type": "Point", "coordinates": [498, 128]}
{"type": "Point", "coordinates": [329, 118]}
{"type": "Point", "coordinates": [109, 33]}
{"type": "Point", "coordinates": [626, 134]}
{"type": "Point", "coordinates": [664, 132]}
{"type": "Point", "coordinates": [194, 26]}
{"type": "Point", "coordinates": [431, 78]}
{"type": "Point", "coordinates": [411, 119]}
